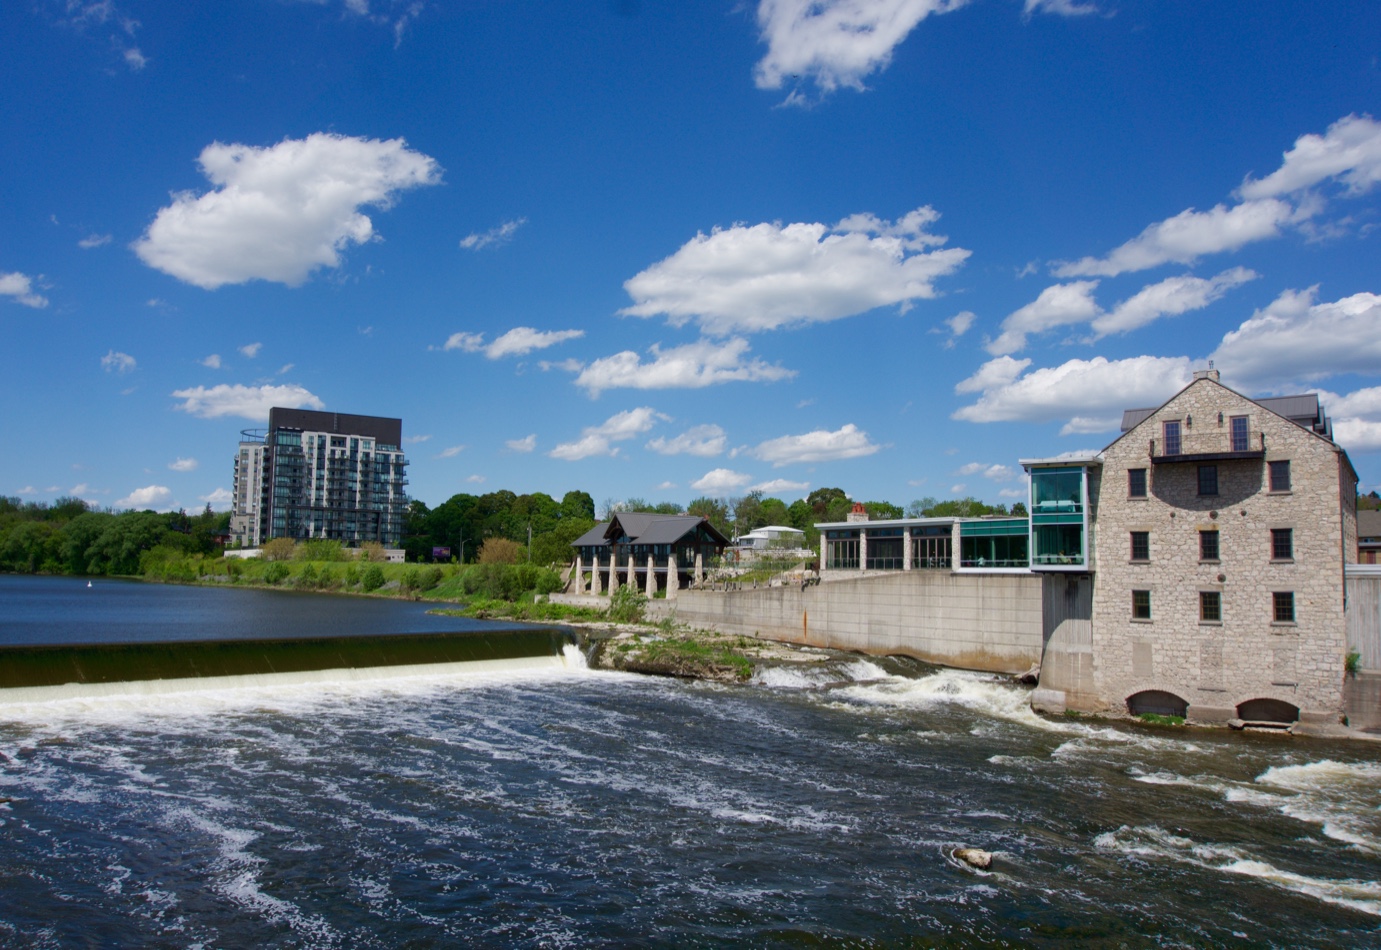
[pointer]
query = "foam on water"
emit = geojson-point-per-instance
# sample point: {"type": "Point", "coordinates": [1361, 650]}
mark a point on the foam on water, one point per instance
{"type": "Point", "coordinates": [817, 676]}
{"type": "Point", "coordinates": [1154, 842]}
{"type": "Point", "coordinates": [91, 703]}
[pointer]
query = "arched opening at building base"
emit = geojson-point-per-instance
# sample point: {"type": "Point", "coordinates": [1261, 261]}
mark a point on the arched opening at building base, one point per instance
{"type": "Point", "coordinates": [1268, 710]}
{"type": "Point", "coordinates": [1157, 702]}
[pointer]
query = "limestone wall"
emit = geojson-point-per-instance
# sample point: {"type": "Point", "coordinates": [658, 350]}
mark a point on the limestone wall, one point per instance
{"type": "Point", "coordinates": [1216, 666]}
{"type": "Point", "coordinates": [974, 621]}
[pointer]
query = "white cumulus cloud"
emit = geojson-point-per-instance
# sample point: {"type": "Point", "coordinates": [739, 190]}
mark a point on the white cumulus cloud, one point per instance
{"type": "Point", "coordinates": [219, 499]}
{"type": "Point", "coordinates": [598, 440]}
{"type": "Point", "coordinates": [996, 472]}
{"type": "Point", "coordinates": [751, 278]}
{"type": "Point", "coordinates": [251, 350]}
{"type": "Point", "coordinates": [720, 481]}
{"type": "Point", "coordinates": [93, 240]}
{"type": "Point", "coordinates": [278, 213]}
{"type": "Point", "coordinates": [1056, 306]}
{"type": "Point", "coordinates": [779, 486]}
{"type": "Point", "coordinates": [1349, 151]}
{"type": "Point", "coordinates": [1170, 297]}
{"type": "Point", "coordinates": [494, 237]}
{"type": "Point", "coordinates": [1094, 391]}
{"type": "Point", "coordinates": [516, 342]}
{"type": "Point", "coordinates": [526, 444]}
{"type": "Point", "coordinates": [1060, 7]}
{"type": "Point", "coordinates": [450, 452]}
{"type": "Point", "coordinates": [1356, 418]}
{"type": "Point", "coordinates": [150, 496]}
{"type": "Point", "coordinates": [703, 440]}
{"type": "Point", "coordinates": [247, 402]}
{"type": "Point", "coordinates": [117, 362]}
{"type": "Point", "coordinates": [1072, 303]}
{"type": "Point", "coordinates": [1295, 339]}
{"type": "Point", "coordinates": [183, 465]}
{"type": "Point", "coordinates": [20, 288]}
{"type": "Point", "coordinates": [690, 366]}
{"type": "Point", "coordinates": [1188, 236]}
{"type": "Point", "coordinates": [212, 362]}
{"type": "Point", "coordinates": [835, 42]}
{"type": "Point", "coordinates": [821, 445]}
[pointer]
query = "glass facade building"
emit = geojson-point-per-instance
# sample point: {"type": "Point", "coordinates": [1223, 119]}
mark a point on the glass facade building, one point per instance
{"type": "Point", "coordinates": [321, 475]}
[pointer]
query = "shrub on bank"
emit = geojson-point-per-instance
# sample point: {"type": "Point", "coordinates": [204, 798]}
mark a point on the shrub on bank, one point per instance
{"type": "Point", "coordinates": [372, 578]}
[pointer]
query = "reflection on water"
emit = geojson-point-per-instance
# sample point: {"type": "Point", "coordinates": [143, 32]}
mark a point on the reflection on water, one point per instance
{"type": "Point", "coordinates": [43, 610]}
{"type": "Point", "coordinates": [564, 807]}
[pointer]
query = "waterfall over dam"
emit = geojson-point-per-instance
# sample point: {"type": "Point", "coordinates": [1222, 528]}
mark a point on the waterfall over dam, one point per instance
{"type": "Point", "coordinates": [29, 673]}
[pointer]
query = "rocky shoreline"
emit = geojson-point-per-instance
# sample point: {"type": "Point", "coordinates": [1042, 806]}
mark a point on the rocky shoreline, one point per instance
{"type": "Point", "coordinates": [693, 654]}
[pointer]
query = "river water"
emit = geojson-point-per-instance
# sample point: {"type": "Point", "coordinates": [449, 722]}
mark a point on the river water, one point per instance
{"type": "Point", "coordinates": [561, 807]}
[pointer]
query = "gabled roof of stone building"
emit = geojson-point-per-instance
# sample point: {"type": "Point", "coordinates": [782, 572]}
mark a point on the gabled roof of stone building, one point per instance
{"type": "Point", "coordinates": [1303, 410]}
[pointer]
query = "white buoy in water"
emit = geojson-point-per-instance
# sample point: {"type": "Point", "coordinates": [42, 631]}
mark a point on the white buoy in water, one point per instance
{"type": "Point", "coordinates": [88, 583]}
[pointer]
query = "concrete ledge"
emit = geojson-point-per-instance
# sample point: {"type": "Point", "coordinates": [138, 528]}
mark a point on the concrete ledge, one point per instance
{"type": "Point", "coordinates": [1050, 701]}
{"type": "Point", "coordinates": [1198, 712]}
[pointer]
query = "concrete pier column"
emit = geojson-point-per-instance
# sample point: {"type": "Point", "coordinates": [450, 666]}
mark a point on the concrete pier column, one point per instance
{"type": "Point", "coordinates": [651, 577]}
{"type": "Point", "coordinates": [613, 573]}
{"type": "Point", "coordinates": [699, 567]}
{"type": "Point", "coordinates": [579, 574]}
{"type": "Point", "coordinates": [596, 585]}
{"type": "Point", "coordinates": [862, 549]}
{"type": "Point", "coordinates": [906, 549]}
{"type": "Point", "coordinates": [673, 576]}
{"type": "Point", "coordinates": [824, 550]}
{"type": "Point", "coordinates": [632, 577]}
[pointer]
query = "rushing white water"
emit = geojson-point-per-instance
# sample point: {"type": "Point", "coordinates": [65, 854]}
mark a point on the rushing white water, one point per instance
{"type": "Point", "coordinates": [514, 805]}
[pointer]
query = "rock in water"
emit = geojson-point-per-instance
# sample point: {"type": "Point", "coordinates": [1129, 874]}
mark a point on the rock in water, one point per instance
{"type": "Point", "coordinates": [974, 857]}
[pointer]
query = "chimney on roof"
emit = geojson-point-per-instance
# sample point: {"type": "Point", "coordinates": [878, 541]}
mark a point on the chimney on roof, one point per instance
{"type": "Point", "coordinates": [859, 513]}
{"type": "Point", "coordinates": [1209, 373]}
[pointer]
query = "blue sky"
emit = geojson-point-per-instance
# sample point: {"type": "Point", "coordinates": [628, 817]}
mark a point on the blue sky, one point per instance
{"type": "Point", "coordinates": [665, 250]}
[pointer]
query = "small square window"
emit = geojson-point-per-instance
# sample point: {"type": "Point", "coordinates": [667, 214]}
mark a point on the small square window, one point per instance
{"type": "Point", "coordinates": [1208, 479]}
{"type": "Point", "coordinates": [1141, 605]}
{"type": "Point", "coordinates": [1282, 544]}
{"type": "Point", "coordinates": [1141, 545]}
{"type": "Point", "coordinates": [1279, 475]}
{"type": "Point", "coordinates": [1208, 545]}
{"type": "Point", "coordinates": [1210, 606]}
{"type": "Point", "coordinates": [1239, 433]}
{"type": "Point", "coordinates": [1283, 602]}
{"type": "Point", "coordinates": [1136, 483]}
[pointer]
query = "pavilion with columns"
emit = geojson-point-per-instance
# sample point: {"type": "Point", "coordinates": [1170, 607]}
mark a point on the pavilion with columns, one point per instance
{"type": "Point", "coordinates": [652, 551]}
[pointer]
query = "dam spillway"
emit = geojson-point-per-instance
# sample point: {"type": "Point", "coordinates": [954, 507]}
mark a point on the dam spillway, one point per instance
{"type": "Point", "coordinates": [90, 664]}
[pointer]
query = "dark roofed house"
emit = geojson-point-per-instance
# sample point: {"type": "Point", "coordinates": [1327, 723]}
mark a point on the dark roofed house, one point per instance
{"type": "Point", "coordinates": [1368, 536]}
{"type": "Point", "coordinates": [665, 539]}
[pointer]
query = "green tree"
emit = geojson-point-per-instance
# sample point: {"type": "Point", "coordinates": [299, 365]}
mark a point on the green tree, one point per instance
{"type": "Point", "coordinates": [579, 505]}
{"type": "Point", "coordinates": [774, 511]}
{"type": "Point", "coordinates": [882, 510]}
{"type": "Point", "coordinates": [554, 547]}
{"type": "Point", "coordinates": [716, 511]}
{"type": "Point", "coordinates": [748, 513]}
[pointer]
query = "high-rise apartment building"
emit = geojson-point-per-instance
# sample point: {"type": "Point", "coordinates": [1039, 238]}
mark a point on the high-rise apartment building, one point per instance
{"type": "Point", "coordinates": [320, 475]}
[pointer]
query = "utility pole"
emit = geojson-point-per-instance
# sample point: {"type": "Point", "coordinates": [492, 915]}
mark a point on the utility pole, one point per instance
{"type": "Point", "coordinates": [529, 542]}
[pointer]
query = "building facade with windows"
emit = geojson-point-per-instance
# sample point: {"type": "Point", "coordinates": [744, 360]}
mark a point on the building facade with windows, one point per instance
{"type": "Point", "coordinates": [1223, 527]}
{"type": "Point", "coordinates": [320, 475]}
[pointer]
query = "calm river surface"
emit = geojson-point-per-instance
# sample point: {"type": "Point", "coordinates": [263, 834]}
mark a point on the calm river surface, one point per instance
{"type": "Point", "coordinates": [566, 807]}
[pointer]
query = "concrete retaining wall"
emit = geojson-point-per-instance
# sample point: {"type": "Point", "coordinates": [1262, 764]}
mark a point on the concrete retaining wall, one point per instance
{"type": "Point", "coordinates": [973, 621]}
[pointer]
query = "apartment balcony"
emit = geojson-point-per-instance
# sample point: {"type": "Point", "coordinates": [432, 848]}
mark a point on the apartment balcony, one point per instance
{"type": "Point", "coordinates": [1212, 445]}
